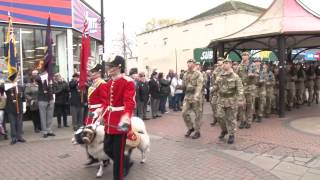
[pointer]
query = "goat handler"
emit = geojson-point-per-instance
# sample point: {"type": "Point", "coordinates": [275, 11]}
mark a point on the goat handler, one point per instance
{"type": "Point", "coordinates": [117, 112]}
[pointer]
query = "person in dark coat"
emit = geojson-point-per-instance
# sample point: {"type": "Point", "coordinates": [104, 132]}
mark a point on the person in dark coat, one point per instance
{"type": "Point", "coordinates": [15, 112]}
{"type": "Point", "coordinates": [154, 90]}
{"type": "Point", "coordinates": [61, 90]}
{"type": "Point", "coordinates": [76, 102]}
{"type": "Point", "coordinates": [164, 93]}
{"type": "Point", "coordinates": [143, 94]}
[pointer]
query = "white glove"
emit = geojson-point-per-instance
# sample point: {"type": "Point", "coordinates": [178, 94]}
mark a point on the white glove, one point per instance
{"type": "Point", "coordinates": [24, 107]}
{"type": "Point", "coordinates": [124, 123]}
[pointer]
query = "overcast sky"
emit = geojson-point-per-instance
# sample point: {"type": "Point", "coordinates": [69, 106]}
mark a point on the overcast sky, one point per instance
{"type": "Point", "coordinates": [135, 13]}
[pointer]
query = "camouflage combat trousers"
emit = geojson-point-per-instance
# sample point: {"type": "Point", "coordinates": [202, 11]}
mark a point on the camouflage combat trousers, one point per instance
{"type": "Point", "coordinates": [227, 118]}
{"type": "Point", "coordinates": [310, 88]}
{"type": "Point", "coordinates": [269, 100]}
{"type": "Point", "coordinates": [188, 107]}
{"type": "Point", "coordinates": [300, 95]}
{"type": "Point", "coordinates": [316, 90]}
{"type": "Point", "coordinates": [260, 104]}
{"type": "Point", "coordinates": [246, 112]}
{"type": "Point", "coordinates": [213, 103]}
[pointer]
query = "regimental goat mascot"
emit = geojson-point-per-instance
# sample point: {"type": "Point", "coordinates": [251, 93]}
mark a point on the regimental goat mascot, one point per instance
{"type": "Point", "coordinates": [92, 135]}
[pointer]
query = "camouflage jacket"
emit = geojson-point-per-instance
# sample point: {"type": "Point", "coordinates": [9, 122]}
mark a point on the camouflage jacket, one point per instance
{"type": "Point", "coordinates": [192, 84]}
{"type": "Point", "coordinates": [249, 81]}
{"type": "Point", "coordinates": [229, 89]}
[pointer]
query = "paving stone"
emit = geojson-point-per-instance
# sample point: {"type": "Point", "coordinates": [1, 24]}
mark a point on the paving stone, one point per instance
{"type": "Point", "coordinates": [288, 159]}
{"type": "Point", "coordinates": [314, 163]}
{"type": "Point", "coordinates": [247, 156]}
{"type": "Point", "coordinates": [314, 171]}
{"type": "Point", "coordinates": [302, 159]}
{"type": "Point", "coordinates": [291, 168]}
{"type": "Point", "coordinates": [299, 163]}
{"type": "Point", "coordinates": [284, 175]}
{"type": "Point", "coordinates": [272, 156]}
{"type": "Point", "coordinates": [265, 162]}
{"type": "Point", "coordinates": [232, 152]}
{"type": "Point", "coordinates": [310, 176]}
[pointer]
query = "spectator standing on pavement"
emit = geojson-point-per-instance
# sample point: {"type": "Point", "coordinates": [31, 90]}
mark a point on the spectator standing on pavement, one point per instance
{"type": "Point", "coordinates": [193, 85]}
{"type": "Point", "coordinates": [143, 93]}
{"type": "Point", "coordinates": [169, 78]}
{"type": "Point", "coordinates": [3, 98]}
{"type": "Point", "coordinates": [31, 95]}
{"type": "Point", "coordinates": [164, 93]}
{"type": "Point", "coordinates": [176, 84]}
{"type": "Point", "coordinates": [154, 89]}
{"type": "Point", "coordinates": [15, 107]}
{"type": "Point", "coordinates": [133, 73]}
{"type": "Point", "coordinates": [76, 102]}
{"type": "Point", "coordinates": [61, 90]}
{"type": "Point", "coordinates": [46, 103]}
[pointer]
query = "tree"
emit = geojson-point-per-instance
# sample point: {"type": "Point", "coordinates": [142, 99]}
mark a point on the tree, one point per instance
{"type": "Point", "coordinates": [158, 23]}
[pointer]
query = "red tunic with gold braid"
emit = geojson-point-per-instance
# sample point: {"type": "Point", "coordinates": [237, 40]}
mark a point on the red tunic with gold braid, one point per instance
{"type": "Point", "coordinates": [120, 101]}
{"type": "Point", "coordinates": [96, 98]}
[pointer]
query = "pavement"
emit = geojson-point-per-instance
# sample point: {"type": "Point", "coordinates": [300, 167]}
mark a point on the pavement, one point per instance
{"type": "Point", "coordinates": [286, 148]}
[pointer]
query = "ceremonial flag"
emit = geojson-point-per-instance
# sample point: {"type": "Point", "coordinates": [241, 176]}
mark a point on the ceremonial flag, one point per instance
{"type": "Point", "coordinates": [84, 55]}
{"type": "Point", "coordinates": [48, 54]}
{"type": "Point", "coordinates": [10, 52]}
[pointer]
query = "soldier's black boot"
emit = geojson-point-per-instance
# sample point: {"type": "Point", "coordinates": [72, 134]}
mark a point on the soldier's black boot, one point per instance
{"type": "Point", "coordinates": [222, 134]}
{"type": "Point", "coordinates": [242, 125]}
{"type": "Point", "coordinates": [231, 139]}
{"type": "Point", "coordinates": [247, 126]}
{"type": "Point", "coordinates": [259, 119]}
{"type": "Point", "coordinates": [189, 132]}
{"type": "Point", "coordinates": [196, 135]}
{"type": "Point", "coordinates": [213, 123]}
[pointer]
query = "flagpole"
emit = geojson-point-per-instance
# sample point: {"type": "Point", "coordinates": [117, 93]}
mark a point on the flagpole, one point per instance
{"type": "Point", "coordinates": [21, 56]}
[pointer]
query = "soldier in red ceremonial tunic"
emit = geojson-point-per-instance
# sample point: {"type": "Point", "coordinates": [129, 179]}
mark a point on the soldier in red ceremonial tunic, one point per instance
{"type": "Point", "coordinates": [118, 109]}
{"type": "Point", "coordinates": [97, 96]}
{"type": "Point", "coordinates": [96, 93]}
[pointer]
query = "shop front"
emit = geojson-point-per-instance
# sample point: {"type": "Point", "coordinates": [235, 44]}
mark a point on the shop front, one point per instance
{"type": "Point", "coordinates": [29, 23]}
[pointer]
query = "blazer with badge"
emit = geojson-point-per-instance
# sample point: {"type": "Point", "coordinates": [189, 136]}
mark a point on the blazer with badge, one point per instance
{"type": "Point", "coordinates": [120, 101]}
{"type": "Point", "coordinates": [12, 98]}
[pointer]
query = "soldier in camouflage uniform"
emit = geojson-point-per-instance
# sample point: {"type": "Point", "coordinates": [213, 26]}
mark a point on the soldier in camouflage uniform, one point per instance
{"type": "Point", "coordinates": [192, 85]}
{"type": "Point", "coordinates": [310, 77]}
{"type": "Point", "coordinates": [216, 72]}
{"type": "Point", "coordinates": [299, 76]}
{"type": "Point", "coordinates": [317, 83]}
{"type": "Point", "coordinates": [245, 72]}
{"type": "Point", "coordinates": [270, 83]}
{"type": "Point", "coordinates": [290, 96]}
{"type": "Point", "coordinates": [261, 93]}
{"type": "Point", "coordinates": [230, 94]}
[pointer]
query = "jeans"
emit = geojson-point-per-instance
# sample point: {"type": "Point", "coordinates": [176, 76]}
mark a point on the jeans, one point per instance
{"type": "Point", "coordinates": [61, 110]}
{"type": "Point", "coordinates": [177, 102]}
{"type": "Point", "coordinates": [162, 106]}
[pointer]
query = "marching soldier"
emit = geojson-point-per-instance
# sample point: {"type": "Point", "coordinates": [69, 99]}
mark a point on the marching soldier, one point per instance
{"type": "Point", "coordinates": [193, 85]}
{"type": "Point", "coordinates": [317, 83]}
{"type": "Point", "coordinates": [310, 77]}
{"type": "Point", "coordinates": [299, 83]}
{"type": "Point", "coordinates": [117, 111]}
{"type": "Point", "coordinates": [214, 96]}
{"type": "Point", "coordinates": [248, 77]}
{"type": "Point", "coordinates": [270, 83]}
{"type": "Point", "coordinates": [96, 98]}
{"type": "Point", "coordinates": [291, 86]}
{"type": "Point", "coordinates": [261, 89]}
{"type": "Point", "coordinates": [230, 94]}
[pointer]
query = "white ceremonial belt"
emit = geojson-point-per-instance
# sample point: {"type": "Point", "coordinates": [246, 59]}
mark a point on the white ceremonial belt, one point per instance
{"type": "Point", "coordinates": [94, 106]}
{"type": "Point", "coordinates": [113, 109]}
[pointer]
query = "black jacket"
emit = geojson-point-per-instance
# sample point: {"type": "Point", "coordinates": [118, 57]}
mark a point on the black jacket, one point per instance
{"type": "Point", "coordinates": [11, 106]}
{"type": "Point", "coordinates": [61, 90]}
{"type": "Point", "coordinates": [154, 89]}
{"type": "Point", "coordinates": [45, 92]}
{"type": "Point", "coordinates": [143, 91]}
{"type": "Point", "coordinates": [164, 88]}
{"type": "Point", "coordinates": [75, 98]}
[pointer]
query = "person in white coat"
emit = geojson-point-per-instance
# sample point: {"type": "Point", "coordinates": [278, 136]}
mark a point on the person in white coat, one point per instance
{"type": "Point", "coordinates": [176, 85]}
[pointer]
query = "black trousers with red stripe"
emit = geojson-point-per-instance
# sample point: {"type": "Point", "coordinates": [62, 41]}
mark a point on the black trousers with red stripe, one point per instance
{"type": "Point", "coordinates": [114, 145]}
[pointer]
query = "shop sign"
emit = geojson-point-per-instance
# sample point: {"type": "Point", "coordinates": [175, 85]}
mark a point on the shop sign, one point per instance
{"type": "Point", "coordinates": [203, 54]}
